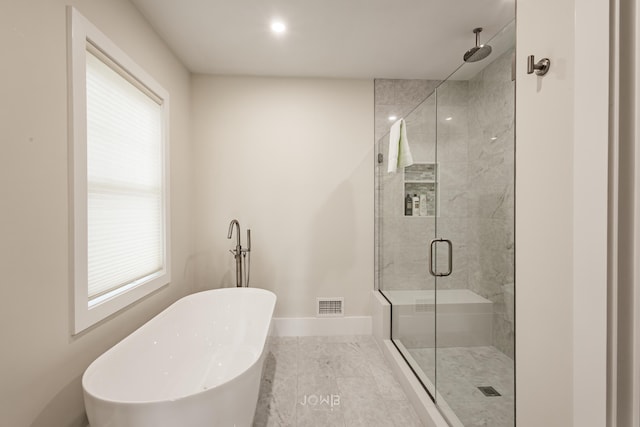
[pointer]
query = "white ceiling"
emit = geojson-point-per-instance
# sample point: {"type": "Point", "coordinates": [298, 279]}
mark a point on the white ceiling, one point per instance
{"type": "Point", "coordinates": [325, 38]}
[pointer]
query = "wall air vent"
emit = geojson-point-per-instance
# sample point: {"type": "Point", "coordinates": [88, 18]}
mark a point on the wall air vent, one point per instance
{"type": "Point", "coordinates": [330, 307]}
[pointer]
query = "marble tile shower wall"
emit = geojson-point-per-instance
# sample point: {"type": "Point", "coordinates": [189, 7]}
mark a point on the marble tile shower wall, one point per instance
{"type": "Point", "coordinates": [475, 136]}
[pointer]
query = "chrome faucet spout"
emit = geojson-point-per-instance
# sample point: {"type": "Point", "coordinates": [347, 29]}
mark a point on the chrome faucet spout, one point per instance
{"type": "Point", "coordinates": [237, 253]}
{"type": "Point", "coordinates": [237, 224]}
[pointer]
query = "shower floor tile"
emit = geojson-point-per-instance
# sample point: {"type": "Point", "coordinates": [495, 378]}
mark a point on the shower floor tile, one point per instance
{"type": "Point", "coordinates": [330, 381]}
{"type": "Point", "coordinates": [460, 371]}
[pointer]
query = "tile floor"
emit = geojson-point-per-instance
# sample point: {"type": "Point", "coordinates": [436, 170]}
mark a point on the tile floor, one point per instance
{"type": "Point", "coordinates": [330, 381]}
{"type": "Point", "coordinates": [460, 371]}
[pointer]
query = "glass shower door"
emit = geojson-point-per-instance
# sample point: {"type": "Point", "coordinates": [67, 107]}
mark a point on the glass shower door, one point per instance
{"type": "Point", "coordinates": [474, 273]}
{"type": "Point", "coordinates": [444, 234]}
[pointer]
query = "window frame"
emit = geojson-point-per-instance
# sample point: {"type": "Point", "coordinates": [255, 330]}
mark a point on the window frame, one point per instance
{"type": "Point", "coordinates": [87, 313]}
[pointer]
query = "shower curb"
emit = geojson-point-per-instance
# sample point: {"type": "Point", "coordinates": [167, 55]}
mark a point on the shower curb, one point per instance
{"type": "Point", "coordinates": [429, 415]}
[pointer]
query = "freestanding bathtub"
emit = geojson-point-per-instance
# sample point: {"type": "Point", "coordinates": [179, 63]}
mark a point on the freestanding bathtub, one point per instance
{"type": "Point", "coordinates": [198, 363]}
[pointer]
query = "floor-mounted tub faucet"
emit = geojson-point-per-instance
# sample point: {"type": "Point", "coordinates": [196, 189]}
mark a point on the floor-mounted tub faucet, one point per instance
{"type": "Point", "coordinates": [239, 254]}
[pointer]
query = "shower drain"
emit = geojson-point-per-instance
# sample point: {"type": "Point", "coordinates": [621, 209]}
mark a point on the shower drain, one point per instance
{"type": "Point", "coordinates": [489, 391]}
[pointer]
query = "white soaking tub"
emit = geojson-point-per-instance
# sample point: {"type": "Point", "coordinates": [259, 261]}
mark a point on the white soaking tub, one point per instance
{"type": "Point", "coordinates": [198, 363]}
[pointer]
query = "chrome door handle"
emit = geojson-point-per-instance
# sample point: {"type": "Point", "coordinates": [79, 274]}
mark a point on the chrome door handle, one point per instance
{"type": "Point", "coordinates": [450, 258]}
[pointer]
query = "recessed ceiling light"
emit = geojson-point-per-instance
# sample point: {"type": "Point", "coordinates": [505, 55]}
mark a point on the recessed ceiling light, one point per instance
{"type": "Point", "coordinates": [493, 138]}
{"type": "Point", "coordinates": [392, 118]}
{"type": "Point", "coordinates": [449, 119]}
{"type": "Point", "coordinates": [278, 27]}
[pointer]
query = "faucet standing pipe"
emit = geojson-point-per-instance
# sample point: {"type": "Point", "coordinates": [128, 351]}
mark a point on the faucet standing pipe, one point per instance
{"type": "Point", "coordinates": [237, 254]}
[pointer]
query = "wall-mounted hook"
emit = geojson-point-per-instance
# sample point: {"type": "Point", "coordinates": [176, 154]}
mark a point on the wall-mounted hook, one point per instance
{"type": "Point", "coordinates": [541, 67]}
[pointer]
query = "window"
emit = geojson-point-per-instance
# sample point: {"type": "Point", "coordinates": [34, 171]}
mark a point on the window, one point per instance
{"type": "Point", "coordinates": [119, 177]}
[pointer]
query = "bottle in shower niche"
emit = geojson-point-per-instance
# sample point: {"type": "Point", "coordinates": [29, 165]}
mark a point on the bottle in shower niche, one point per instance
{"type": "Point", "coordinates": [408, 205]}
{"type": "Point", "coordinates": [423, 205]}
{"type": "Point", "coordinates": [416, 205]}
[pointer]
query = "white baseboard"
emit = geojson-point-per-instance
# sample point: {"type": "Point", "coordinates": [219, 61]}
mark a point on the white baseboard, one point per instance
{"type": "Point", "coordinates": [320, 326]}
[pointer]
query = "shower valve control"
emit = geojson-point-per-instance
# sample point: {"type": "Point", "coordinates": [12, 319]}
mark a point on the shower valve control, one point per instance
{"type": "Point", "coordinates": [541, 67]}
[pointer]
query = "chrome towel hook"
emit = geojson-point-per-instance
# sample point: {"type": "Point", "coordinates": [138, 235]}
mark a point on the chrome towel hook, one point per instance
{"type": "Point", "coordinates": [541, 67]}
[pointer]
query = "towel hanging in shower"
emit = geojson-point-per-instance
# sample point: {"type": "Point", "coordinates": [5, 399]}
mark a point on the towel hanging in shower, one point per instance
{"type": "Point", "coordinates": [399, 152]}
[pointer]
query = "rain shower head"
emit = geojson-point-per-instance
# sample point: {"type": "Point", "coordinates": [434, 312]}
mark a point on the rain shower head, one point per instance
{"type": "Point", "coordinates": [478, 52]}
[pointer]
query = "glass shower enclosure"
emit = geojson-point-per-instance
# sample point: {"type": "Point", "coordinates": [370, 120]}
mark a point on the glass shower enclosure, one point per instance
{"type": "Point", "coordinates": [445, 234]}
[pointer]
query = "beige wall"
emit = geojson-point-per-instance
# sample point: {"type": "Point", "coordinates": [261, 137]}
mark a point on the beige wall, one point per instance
{"type": "Point", "coordinates": [291, 159]}
{"type": "Point", "coordinates": [590, 217]}
{"type": "Point", "coordinates": [311, 218]}
{"type": "Point", "coordinates": [544, 217]}
{"type": "Point", "coordinates": [40, 362]}
{"type": "Point", "coordinates": [561, 215]}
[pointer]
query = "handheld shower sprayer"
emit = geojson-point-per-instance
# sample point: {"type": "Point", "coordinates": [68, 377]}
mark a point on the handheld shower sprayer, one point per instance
{"type": "Point", "coordinates": [247, 255]}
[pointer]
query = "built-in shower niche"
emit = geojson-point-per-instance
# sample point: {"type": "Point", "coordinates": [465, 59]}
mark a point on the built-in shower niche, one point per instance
{"type": "Point", "coordinates": [421, 180]}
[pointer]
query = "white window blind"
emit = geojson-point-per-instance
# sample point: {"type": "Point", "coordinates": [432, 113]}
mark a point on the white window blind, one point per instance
{"type": "Point", "coordinates": [125, 215]}
{"type": "Point", "coordinates": [119, 175]}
